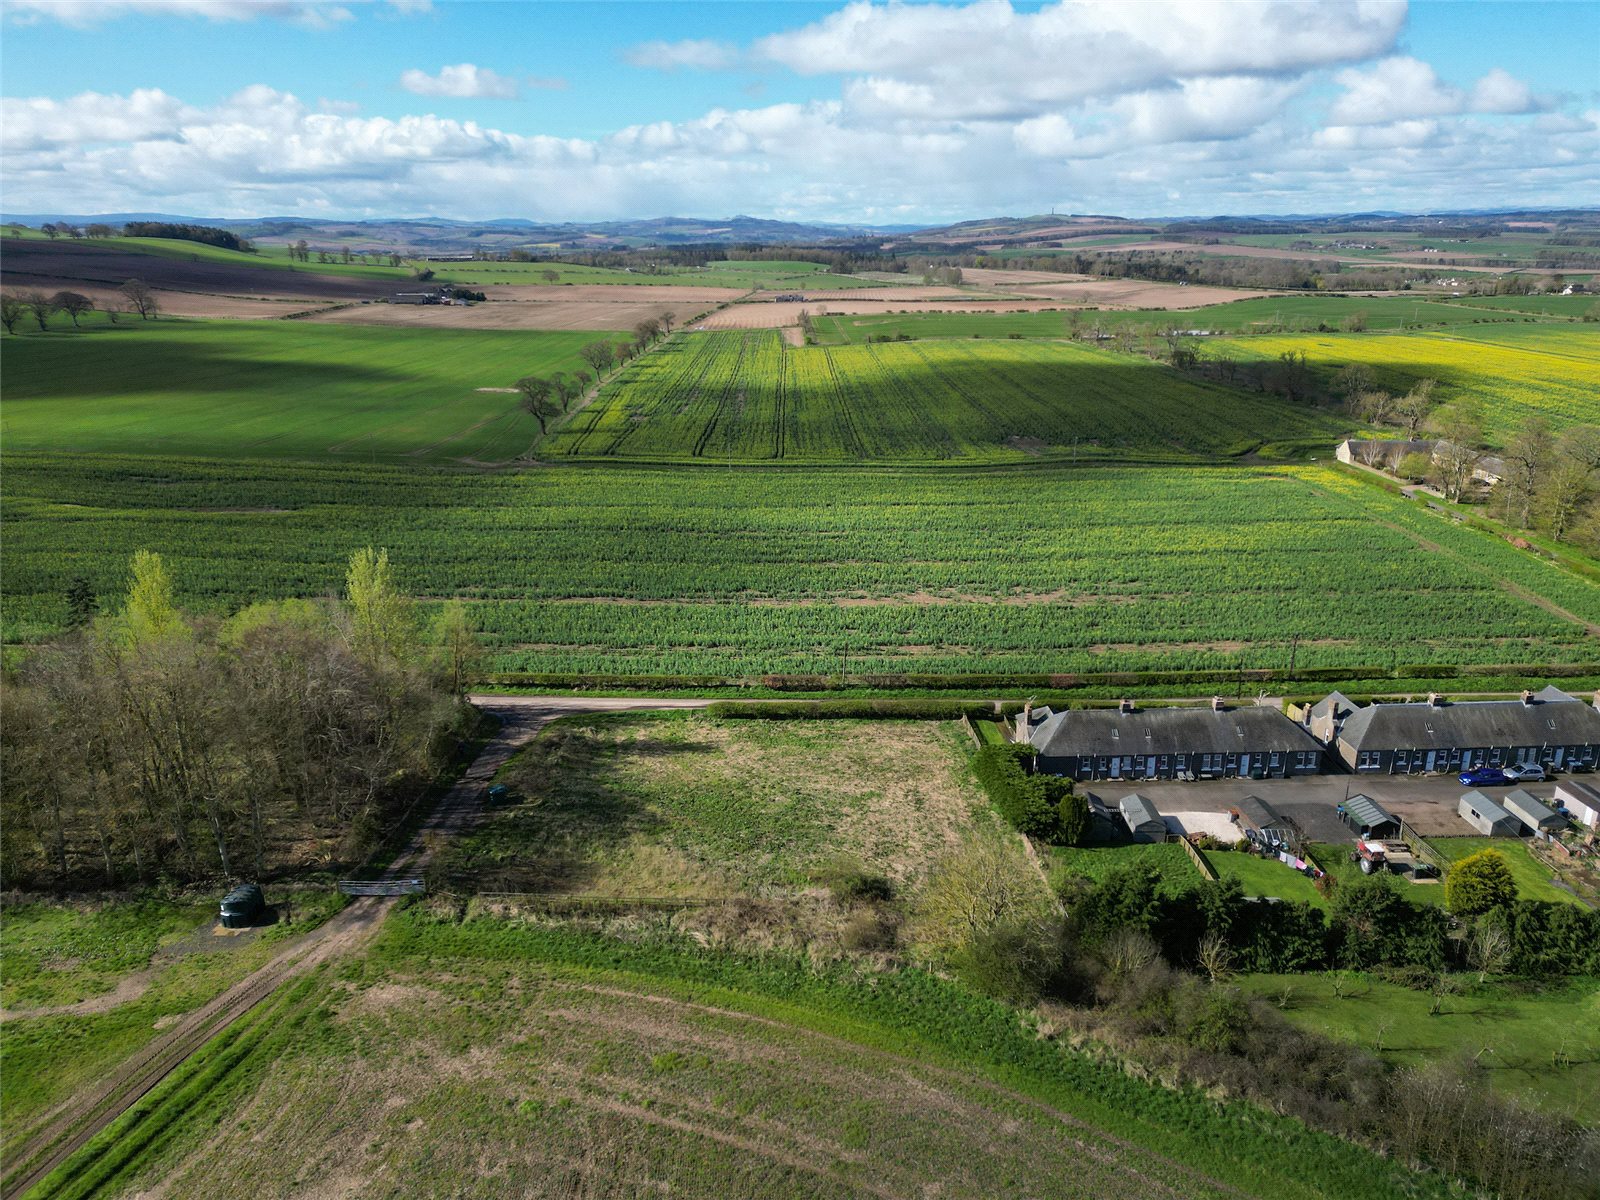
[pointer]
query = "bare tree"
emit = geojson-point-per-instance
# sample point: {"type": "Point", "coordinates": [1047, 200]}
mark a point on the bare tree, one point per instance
{"type": "Point", "coordinates": [100, 230]}
{"type": "Point", "coordinates": [1526, 456]}
{"type": "Point", "coordinates": [1215, 958]}
{"type": "Point", "coordinates": [38, 306]}
{"type": "Point", "coordinates": [140, 298]}
{"type": "Point", "coordinates": [74, 304]}
{"type": "Point", "coordinates": [1412, 409]}
{"type": "Point", "coordinates": [11, 311]}
{"type": "Point", "coordinates": [1488, 948]}
{"type": "Point", "coordinates": [646, 331]}
{"type": "Point", "coordinates": [1459, 430]}
{"type": "Point", "coordinates": [599, 355]}
{"type": "Point", "coordinates": [536, 400]}
{"type": "Point", "coordinates": [667, 319]}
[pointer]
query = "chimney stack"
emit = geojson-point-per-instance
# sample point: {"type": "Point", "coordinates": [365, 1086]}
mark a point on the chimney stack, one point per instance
{"type": "Point", "coordinates": [1216, 704]}
{"type": "Point", "coordinates": [1125, 705]}
{"type": "Point", "coordinates": [1435, 700]}
{"type": "Point", "coordinates": [1527, 699]}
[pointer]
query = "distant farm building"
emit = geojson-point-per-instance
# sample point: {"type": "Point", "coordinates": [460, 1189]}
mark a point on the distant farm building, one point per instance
{"type": "Point", "coordinates": [1144, 823]}
{"type": "Point", "coordinates": [1549, 727]}
{"type": "Point", "coordinates": [1487, 817]}
{"type": "Point", "coordinates": [1383, 453]}
{"type": "Point", "coordinates": [414, 298]}
{"type": "Point", "coordinates": [1128, 742]}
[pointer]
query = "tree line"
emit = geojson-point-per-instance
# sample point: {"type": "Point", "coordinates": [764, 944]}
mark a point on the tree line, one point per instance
{"type": "Point", "coordinates": [545, 397]}
{"type": "Point", "coordinates": [150, 744]}
{"type": "Point", "coordinates": [136, 297]}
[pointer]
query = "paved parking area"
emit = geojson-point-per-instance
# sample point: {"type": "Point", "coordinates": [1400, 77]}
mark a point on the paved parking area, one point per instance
{"type": "Point", "coordinates": [1428, 804]}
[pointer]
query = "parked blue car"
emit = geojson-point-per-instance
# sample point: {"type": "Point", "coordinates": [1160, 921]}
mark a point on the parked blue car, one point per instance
{"type": "Point", "coordinates": [1484, 777]}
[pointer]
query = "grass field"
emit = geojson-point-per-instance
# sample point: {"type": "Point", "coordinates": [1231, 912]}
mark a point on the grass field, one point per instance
{"type": "Point", "coordinates": [748, 396]}
{"type": "Point", "coordinates": [1538, 1042]}
{"type": "Point", "coordinates": [248, 389]}
{"type": "Point", "coordinates": [684, 805]}
{"type": "Point", "coordinates": [1533, 880]}
{"type": "Point", "coordinates": [87, 985]}
{"type": "Point", "coordinates": [1513, 371]}
{"type": "Point", "coordinates": [486, 1058]}
{"type": "Point", "coordinates": [741, 572]}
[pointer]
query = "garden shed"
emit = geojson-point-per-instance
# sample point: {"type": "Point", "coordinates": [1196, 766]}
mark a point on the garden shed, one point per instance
{"type": "Point", "coordinates": [1369, 818]}
{"type": "Point", "coordinates": [1144, 822]}
{"type": "Point", "coordinates": [1532, 812]}
{"type": "Point", "coordinates": [1487, 817]}
{"type": "Point", "coordinates": [1582, 801]}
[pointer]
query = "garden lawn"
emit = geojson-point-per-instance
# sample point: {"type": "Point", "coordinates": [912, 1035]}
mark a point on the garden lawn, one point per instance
{"type": "Point", "coordinates": [1264, 876]}
{"type": "Point", "coordinates": [1096, 862]}
{"type": "Point", "coordinates": [1538, 1042]}
{"type": "Point", "coordinates": [1532, 879]}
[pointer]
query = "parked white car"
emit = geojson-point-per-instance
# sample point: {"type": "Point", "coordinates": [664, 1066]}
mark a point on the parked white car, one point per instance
{"type": "Point", "coordinates": [1524, 773]}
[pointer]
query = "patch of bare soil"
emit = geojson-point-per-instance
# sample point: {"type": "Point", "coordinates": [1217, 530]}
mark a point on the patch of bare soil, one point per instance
{"type": "Point", "coordinates": [129, 988]}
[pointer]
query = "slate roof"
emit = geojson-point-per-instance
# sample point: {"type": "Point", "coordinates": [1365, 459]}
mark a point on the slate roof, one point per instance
{"type": "Point", "coordinates": [1565, 721]}
{"type": "Point", "coordinates": [1258, 814]}
{"type": "Point", "coordinates": [1572, 792]}
{"type": "Point", "coordinates": [1106, 731]}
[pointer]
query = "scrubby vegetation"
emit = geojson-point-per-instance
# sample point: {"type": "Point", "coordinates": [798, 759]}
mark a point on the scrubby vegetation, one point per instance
{"type": "Point", "coordinates": [150, 745]}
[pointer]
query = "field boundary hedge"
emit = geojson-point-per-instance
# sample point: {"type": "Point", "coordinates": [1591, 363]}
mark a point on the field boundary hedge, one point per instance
{"type": "Point", "coordinates": [1067, 681]}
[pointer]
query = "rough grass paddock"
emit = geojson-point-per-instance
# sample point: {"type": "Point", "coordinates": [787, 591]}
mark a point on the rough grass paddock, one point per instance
{"type": "Point", "coordinates": [689, 806]}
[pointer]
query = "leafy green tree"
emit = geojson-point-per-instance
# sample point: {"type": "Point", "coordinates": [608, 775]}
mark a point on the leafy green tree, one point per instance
{"type": "Point", "coordinates": [383, 619]}
{"type": "Point", "coordinates": [150, 612]}
{"type": "Point", "coordinates": [1478, 883]}
{"type": "Point", "coordinates": [456, 644]}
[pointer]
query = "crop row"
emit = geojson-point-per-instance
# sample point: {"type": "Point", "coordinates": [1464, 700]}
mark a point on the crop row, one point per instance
{"type": "Point", "coordinates": [685, 570]}
{"type": "Point", "coordinates": [742, 396]}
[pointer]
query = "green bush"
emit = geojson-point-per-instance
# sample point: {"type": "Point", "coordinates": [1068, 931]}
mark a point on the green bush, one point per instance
{"type": "Point", "coordinates": [1042, 806]}
{"type": "Point", "coordinates": [1478, 883]}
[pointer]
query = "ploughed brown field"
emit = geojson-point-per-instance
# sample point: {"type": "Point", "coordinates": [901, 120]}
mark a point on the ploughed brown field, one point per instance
{"type": "Point", "coordinates": [597, 306]}
{"type": "Point", "coordinates": [55, 265]}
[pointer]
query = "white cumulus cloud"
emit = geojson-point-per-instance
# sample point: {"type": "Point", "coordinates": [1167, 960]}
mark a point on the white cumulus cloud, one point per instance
{"type": "Point", "coordinates": [1401, 88]}
{"type": "Point", "coordinates": [461, 81]}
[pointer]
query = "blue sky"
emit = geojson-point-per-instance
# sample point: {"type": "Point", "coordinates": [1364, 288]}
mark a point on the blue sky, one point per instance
{"type": "Point", "coordinates": [889, 113]}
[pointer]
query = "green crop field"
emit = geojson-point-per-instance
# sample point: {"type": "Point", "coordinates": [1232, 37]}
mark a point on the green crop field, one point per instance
{"type": "Point", "coordinates": [248, 389]}
{"type": "Point", "coordinates": [1513, 371]}
{"type": "Point", "coordinates": [653, 570]}
{"type": "Point", "coordinates": [1269, 314]}
{"type": "Point", "coordinates": [489, 1057]}
{"type": "Point", "coordinates": [1540, 1043]}
{"type": "Point", "coordinates": [744, 396]}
